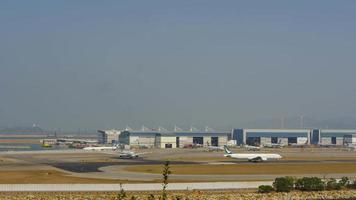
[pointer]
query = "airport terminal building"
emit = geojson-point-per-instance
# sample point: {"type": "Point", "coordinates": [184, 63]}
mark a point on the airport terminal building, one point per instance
{"type": "Point", "coordinates": [173, 139]}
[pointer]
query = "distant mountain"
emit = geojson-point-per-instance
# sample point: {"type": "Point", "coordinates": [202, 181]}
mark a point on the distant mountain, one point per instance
{"type": "Point", "coordinates": [22, 130]}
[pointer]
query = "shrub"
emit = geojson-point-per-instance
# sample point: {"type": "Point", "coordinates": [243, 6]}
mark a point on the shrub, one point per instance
{"type": "Point", "coordinates": [310, 184]}
{"type": "Point", "coordinates": [283, 184]}
{"type": "Point", "coordinates": [165, 173]}
{"type": "Point", "coordinates": [332, 184]}
{"type": "Point", "coordinates": [122, 193]}
{"type": "Point", "coordinates": [351, 184]}
{"type": "Point", "coordinates": [344, 181]}
{"type": "Point", "coordinates": [265, 189]}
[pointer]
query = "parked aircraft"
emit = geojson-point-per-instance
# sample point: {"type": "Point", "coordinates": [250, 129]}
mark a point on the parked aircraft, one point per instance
{"type": "Point", "coordinates": [214, 148]}
{"type": "Point", "coordinates": [351, 147]}
{"type": "Point", "coordinates": [299, 145]}
{"type": "Point", "coordinates": [251, 157]}
{"type": "Point", "coordinates": [252, 148]}
{"type": "Point", "coordinates": [275, 145]}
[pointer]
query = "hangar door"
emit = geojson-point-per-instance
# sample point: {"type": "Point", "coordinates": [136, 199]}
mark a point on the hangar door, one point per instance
{"type": "Point", "coordinates": [198, 140]}
{"type": "Point", "coordinates": [254, 141]}
{"type": "Point", "coordinates": [292, 140]}
{"type": "Point", "coordinates": [215, 141]}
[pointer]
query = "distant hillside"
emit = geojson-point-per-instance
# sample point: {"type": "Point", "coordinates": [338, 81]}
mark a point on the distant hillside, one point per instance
{"type": "Point", "coordinates": [24, 130]}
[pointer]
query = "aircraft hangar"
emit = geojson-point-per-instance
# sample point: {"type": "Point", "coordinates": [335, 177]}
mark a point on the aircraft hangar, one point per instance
{"type": "Point", "coordinates": [173, 139]}
{"type": "Point", "coordinates": [259, 137]}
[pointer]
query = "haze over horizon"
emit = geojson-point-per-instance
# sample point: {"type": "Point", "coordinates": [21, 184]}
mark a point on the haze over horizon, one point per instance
{"type": "Point", "coordinates": [108, 64]}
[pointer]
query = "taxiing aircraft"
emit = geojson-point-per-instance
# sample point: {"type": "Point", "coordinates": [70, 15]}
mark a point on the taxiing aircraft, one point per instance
{"type": "Point", "coordinates": [129, 154]}
{"type": "Point", "coordinates": [251, 157]}
{"type": "Point", "coordinates": [113, 148]}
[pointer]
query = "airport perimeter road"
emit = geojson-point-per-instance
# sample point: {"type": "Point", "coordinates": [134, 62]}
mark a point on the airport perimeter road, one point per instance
{"type": "Point", "coordinates": [128, 187]}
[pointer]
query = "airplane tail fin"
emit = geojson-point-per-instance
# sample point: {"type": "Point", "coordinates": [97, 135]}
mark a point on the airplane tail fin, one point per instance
{"type": "Point", "coordinates": [227, 150]}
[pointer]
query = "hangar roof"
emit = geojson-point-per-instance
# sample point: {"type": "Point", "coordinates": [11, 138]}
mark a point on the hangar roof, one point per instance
{"type": "Point", "coordinates": [177, 133]}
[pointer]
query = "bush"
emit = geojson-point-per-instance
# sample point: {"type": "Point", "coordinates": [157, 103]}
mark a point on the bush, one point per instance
{"type": "Point", "coordinates": [310, 184]}
{"type": "Point", "coordinates": [344, 181]}
{"type": "Point", "coordinates": [265, 189]}
{"type": "Point", "coordinates": [283, 184]}
{"type": "Point", "coordinates": [351, 184]}
{"type": "Point", "coordinates": [332, 184]}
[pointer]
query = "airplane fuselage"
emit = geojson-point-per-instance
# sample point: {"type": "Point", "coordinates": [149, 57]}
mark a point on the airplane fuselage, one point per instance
{"type": "Point", "coordinates": [254, 157]}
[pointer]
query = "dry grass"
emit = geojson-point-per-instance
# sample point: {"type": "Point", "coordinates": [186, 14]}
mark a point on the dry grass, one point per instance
{"type": "Point", "coordinates": [47, 176]}
{"type": "Point", "coordinates": [248, 169]}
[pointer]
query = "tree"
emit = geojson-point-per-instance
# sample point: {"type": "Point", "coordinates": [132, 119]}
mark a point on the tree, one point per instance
{"type": "Point", "coordinates": [284, 184]}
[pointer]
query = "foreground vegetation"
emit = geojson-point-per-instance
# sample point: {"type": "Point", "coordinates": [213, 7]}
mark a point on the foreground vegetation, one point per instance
{"type": "Point", "coordinates": [183, 195]}
{"type": "Point", "coordinates": [288, 183]}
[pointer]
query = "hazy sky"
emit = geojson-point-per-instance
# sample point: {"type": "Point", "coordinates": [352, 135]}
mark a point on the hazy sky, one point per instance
{"type": "Point", "coordinates": [108, 64]}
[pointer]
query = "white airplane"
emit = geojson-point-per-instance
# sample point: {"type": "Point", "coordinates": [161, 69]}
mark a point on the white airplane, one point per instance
{"type": "Point", "coordinates": [113, 148]}
{"type": "Point", "coordinates": [251, 157]}
{"type": "Point", "coordinates": [252, 148]}
{"type": "Point", "coordinates": [275, 145]}
{"type": "Point", "coordinates": [350, 147]}
{"type": "Point", "coordinates": [214, 148]}
{"type": "Point", "coordinates": [129, 154]}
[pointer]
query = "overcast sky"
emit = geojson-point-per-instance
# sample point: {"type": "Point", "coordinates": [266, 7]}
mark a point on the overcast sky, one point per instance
{"type": "Point", "coordinates": [108, 64]}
